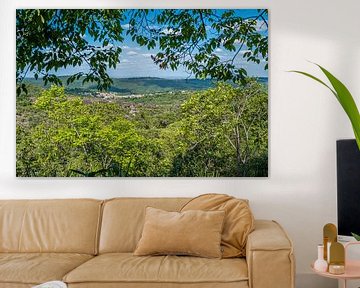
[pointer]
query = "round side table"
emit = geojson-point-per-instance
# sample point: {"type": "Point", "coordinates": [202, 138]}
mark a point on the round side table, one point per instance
{"type": "Point", "coordinates": [352, 269]}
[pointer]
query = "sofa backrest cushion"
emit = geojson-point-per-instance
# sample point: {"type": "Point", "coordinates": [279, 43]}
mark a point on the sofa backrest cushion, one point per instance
{"type": "Point", "coordinates": [64, 226]}
{"type": "Point", "coordinates": [123, 220]}
{"type": "Point", "coordinates": [239, 220]}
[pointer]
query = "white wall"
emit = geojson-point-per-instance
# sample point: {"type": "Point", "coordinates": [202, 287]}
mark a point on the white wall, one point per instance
{"type": "Point", "coordinates": [305, 120]}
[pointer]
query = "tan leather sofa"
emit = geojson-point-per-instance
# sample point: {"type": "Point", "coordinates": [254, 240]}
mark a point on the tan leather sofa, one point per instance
{"type": "Point", "coordinates": [89, 243]}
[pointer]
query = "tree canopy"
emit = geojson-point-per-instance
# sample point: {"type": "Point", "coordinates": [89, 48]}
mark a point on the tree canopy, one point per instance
{"type": "Point", "coordinates": [221, 131]}
{"type": "Point", "coordinates": [48, 40]}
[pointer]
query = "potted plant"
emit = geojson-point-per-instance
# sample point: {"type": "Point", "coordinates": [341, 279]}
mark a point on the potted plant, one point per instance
{"type": "Point", "coordinates": [346, 100]}
{"type": "Point", "coordinates": [357, 237]}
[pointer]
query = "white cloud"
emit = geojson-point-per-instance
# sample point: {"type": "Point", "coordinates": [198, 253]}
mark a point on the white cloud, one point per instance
{"type": "Point", "coordinates": [261, 26]}
{"type": "Point", "coordinates": [154, 27]}
{"type": "Point", "coordinates": [125, 61]}
{"type": "Point", "coordinates": [244, 51]}
{"type": "Point", "coordinates": [126, 47]}
{"type": "Point", "coordinates": [218, 50]}
{"type": "Point", "coordinates": [132, 53]}
{"type": "Point", "coordinates": [108, 46]}
{"type": "Point", "coordinates": [167, 31]}
{"type": "Point", "coordinates": [222, 57]}
{"type": "Point", "coordinates": [126, 26]}
{"type": "Point", "coordinates": [147, 55]}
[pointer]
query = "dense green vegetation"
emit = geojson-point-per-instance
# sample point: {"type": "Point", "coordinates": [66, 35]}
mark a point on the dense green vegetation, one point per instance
{"type": "Point", "coordinates": [220, 131]}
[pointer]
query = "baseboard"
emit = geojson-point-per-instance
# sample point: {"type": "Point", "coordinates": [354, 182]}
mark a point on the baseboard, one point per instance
{"type": "Point", "coordinates": [309, 280]}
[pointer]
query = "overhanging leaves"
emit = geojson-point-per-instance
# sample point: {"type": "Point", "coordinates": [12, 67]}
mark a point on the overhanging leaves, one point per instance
{"type": "Point", "coordinates": [48, 40]}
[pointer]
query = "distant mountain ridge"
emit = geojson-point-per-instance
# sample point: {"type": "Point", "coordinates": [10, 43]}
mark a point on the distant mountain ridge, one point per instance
{"type": "Point", "coordinates": [139, 85]}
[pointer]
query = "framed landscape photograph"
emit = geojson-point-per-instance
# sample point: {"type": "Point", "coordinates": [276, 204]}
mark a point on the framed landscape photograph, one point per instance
{"type": "Point", "coordinates": [142, 93]}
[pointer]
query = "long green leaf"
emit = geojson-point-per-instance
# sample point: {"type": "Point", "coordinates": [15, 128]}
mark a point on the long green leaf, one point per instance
{"type": "Point", "coordinates": [316, 79]}
{"type": "Point", "coordinates": [344, 97]}
{"type": "Point", "coordinates": [347, 102]}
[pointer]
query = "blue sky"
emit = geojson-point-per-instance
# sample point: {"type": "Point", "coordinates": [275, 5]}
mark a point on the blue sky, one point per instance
{"type": "Point", "coordinates": [135, 61]}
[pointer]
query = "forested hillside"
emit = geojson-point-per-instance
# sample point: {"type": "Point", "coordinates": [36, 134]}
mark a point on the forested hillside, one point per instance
{"type": "Point", "coordinates": [218, 131]}
{"type": "Point", "coordinates": [135, 85]}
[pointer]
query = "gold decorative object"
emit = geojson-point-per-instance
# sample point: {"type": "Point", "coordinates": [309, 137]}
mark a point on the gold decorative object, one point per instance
{"type": "Point", "coordinates": [336, 269]}
{"type": "Point", "coordinates": [337, 258]}
{"type": "Point", "coordinates": [340, 266]}
{"type": "Point", "coordinates": [337, 253]}
{"type": "Point", "coordinates": [330, 236]}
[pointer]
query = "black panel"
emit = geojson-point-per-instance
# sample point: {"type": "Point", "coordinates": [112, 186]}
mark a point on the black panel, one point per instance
{"type": "Point", "coordinates": [348, 187]}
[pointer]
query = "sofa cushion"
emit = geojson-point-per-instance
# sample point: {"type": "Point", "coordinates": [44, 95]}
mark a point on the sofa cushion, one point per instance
{"type": "Point", "coordinates": [63, 226]}
{"type": "Point", "coordinates": [193, 232]}
{"type": "Point", "coordinates": [238, 223]}
{"type": "Point", "coordinates": [123, 220]}
{"type": "Point", "coordinates": [36, 268]}
{"type": "Point", "coordinates": [126, 268]}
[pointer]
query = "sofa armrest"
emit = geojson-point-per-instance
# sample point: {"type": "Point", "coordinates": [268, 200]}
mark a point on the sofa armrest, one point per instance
{"type": "Point", "coordinates": [269, 256]}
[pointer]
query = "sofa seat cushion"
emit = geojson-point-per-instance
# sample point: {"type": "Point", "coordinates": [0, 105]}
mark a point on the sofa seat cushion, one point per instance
{"type": "Point", "coordinates": [127, 268]}
{"type": "Point", "coordinates": [36, 268]}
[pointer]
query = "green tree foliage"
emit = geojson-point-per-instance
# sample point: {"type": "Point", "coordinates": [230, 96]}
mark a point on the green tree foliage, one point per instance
{"type": "Point", "coordinates": [223, 132]}
{"type": "Point", "coordinates": [47, 40]}
{"type": "Point", "coordinates": [217, 132]}
{"type": "Point", "coordinates": [75, 138]}
{"type": "Point", "coordinates": [191, 37]}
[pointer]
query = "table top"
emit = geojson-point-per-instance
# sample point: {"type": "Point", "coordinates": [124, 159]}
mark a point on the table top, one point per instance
{"type": "Point", "coordinates": [352, 271]}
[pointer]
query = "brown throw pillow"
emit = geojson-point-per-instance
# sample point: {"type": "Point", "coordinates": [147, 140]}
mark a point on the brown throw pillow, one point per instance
{"type": "Point", "coordinates": [196, 233]}
{"type": "Point", "coordinates": [239, 220]}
